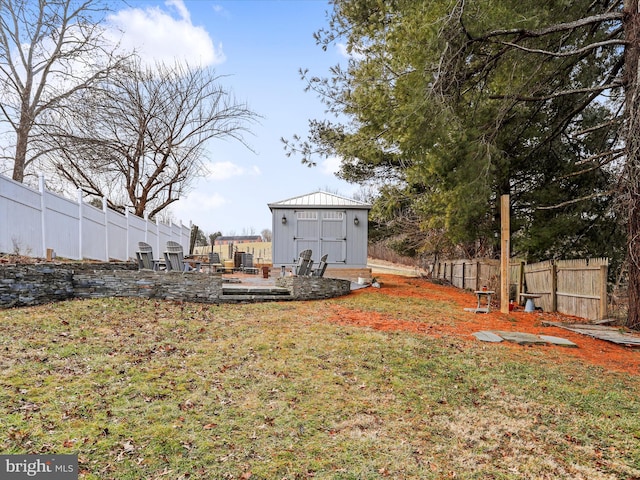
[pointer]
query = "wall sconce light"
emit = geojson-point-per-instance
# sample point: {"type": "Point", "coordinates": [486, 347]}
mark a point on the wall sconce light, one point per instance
{"type": "Point", "coordinates": [284, 220]}
{"type": "Point", "coordinates": [356, 221]}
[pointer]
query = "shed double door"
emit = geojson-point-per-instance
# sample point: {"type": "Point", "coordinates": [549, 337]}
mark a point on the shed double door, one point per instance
{"type": "Point", "coordinates": [324, 232]}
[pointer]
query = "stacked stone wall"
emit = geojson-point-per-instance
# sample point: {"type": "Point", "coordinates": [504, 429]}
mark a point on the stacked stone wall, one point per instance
{"type": "Point", "coordinates": [190, 287]}
{"type": "Point", "coordinates": [314, 288]}
{"type": "Point", "coordinates": [34, 284]}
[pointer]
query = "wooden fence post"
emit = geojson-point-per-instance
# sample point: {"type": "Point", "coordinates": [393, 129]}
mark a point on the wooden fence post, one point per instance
{"type": "Point", "coordinates": [463, 273]}
{"type": "Point", "coordinates": [505, 252]}
{"type": "Point", "coordinates": [520, 284]}
{"type": "Point", "coordinates": [554, 287]}
{"type": "Point", "coordinates": [603, 292]}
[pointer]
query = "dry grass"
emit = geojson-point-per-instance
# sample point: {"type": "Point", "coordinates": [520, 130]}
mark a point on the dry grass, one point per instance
{"type": "Point", "coordinates": [143, 389]}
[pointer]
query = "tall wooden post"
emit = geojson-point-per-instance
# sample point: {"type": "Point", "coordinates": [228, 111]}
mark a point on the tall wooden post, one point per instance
{"type": "Point", "coordinates": [505, 252]}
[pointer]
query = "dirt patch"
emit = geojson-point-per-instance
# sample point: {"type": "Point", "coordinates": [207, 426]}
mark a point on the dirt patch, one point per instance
{"type": "Point", "coordinates": [596, 352]}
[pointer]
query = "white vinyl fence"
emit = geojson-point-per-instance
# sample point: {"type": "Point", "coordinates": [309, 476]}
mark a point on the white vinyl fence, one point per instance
{"type": "Point", "coordinates": [32, 221]}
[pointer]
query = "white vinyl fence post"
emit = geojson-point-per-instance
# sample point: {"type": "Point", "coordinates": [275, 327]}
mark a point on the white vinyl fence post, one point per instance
{"type": "Point", "coordinates": [43, 211]}
{"type": "Point", "coordinates": [106, 229]}
{"type": "Point", "coordinates": [188, 235]}
{"type": "Point", "coordinates": [158, 236]}
{"type": "Point", "coordinates": [80, 225]}
{"type": "Point", "coordinates": [128, 234]}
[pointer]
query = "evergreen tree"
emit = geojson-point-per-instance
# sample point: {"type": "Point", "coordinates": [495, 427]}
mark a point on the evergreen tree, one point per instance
{"type": "Point", "coordinates": [451, 104]}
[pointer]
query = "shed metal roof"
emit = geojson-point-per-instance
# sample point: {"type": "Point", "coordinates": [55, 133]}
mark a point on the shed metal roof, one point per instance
{"type": "Point", "coordinates": [320, 199]}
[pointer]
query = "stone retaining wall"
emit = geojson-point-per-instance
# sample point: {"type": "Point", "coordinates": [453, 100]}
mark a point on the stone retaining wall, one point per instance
{"type": "Point", "coordinates": [35, 284]}
{"type": "Point", "coordinates": [190, 287]}
{"type": "Point", "coordinates": [314, 288]}
{"type": "Point", "coordinates": [22, 285]}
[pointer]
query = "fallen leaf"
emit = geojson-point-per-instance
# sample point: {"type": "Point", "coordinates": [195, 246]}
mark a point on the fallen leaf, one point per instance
{"type": "Point", "coordinates": [128, 446]}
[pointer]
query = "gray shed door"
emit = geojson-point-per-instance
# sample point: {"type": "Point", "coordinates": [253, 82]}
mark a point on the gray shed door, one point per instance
{"type": "Point", "coordinates": [307, 232]}
{"type": "Point", "coordinates": [333, 236]}
{"type": "Point", "coordinates": [324, 232]}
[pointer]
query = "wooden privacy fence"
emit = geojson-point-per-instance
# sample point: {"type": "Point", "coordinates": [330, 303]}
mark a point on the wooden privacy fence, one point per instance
{"type": "Point", "coordinates": [572, 287]}
{"type": "Point", "coordinates": [474, 274]}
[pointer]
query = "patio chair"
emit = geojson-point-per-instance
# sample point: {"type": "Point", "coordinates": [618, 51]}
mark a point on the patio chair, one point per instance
{"type": "Point", "coordinates": [322, 266]}
{"type": "Point", "coordinates": [247, 264]}
{"type": "Point", "coordinates": [214, 262]}
{"type": "Point", "coordinates": [304, 264]}
{"type": "Point", "coordinates": [174, 258]}
{"type": "Point", "coordinates": [145, 257]}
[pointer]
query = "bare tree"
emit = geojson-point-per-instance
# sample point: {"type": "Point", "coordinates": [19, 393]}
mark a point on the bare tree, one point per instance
{"type": "Point", "coordinates": [212, 238]}
{"type": "Point", "coordinates": [140, 140]}
{"type": "Point", "coordinates": [49, 50]}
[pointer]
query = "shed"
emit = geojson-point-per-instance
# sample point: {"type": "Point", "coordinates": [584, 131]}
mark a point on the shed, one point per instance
{"type": "Point", "coordinates": [325, 223]}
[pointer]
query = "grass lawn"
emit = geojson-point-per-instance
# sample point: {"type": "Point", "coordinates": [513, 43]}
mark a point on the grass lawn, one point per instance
{"type": "Point", "coordinates": [155, 390]}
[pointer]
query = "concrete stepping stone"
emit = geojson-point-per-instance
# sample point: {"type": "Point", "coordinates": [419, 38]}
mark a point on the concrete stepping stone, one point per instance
{"type": "Point", "coordinates": [521, 338]}
{"type": "Point", "coordinates": [486, 336]}
{"type": "Point", "coordinates": [563, 342]}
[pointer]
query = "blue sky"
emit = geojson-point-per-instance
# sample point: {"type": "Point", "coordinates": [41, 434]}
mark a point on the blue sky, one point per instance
{"type": "Point", "coordinates": [259, 45]}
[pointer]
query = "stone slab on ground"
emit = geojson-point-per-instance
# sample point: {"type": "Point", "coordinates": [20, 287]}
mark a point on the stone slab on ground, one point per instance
{"type": "Point", "coordinates": [601, 332]}
{"type": "Point", "coordinates": [486, 336]}
{"type": "Point", "coordinates": [562, 342]}
{"type": "Point", "coordinates": [522, 338]}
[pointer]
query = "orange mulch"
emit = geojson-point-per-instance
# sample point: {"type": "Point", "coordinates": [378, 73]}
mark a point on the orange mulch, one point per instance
{"type": "Point", "coordinates": [593, 351]}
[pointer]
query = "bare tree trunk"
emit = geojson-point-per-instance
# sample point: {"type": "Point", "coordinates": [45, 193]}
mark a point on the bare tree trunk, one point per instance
{"type": "Point", "coordinates": [22, 140]}
{"type": "Point", "coordinates": [632, 177]}
{"type": "Point", "coordinates": [23, 128]}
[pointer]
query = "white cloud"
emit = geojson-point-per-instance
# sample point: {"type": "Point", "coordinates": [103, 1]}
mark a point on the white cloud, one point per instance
{"type": "Point", "coordinates": [159, 36]}
{"type": "Point", "coordinates": [182, 9]}
{"type": "Point", "coordinates": [220, 10]}
{"type": "Point", "coordinates": [200, 202]}
{"type": "Point", "coordinates": [207, 201]}
{"type": "Point", "coordinates": [355, 54]}
{"type": "Point", "coordinates": [225, 170]}
{"type": "Point", "coordinates": [330, 166]}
